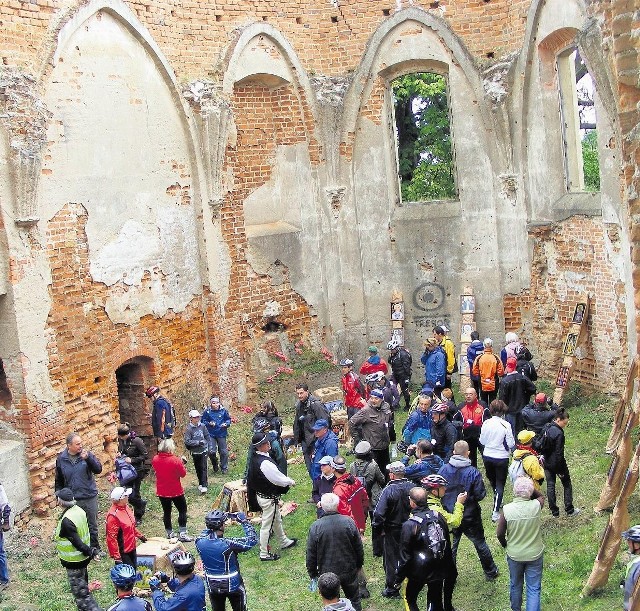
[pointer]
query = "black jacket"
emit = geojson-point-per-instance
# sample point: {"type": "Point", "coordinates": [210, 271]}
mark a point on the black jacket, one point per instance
{"type": "Point", "coordinates": [516, 390]}
{"type": "Point", "coordinates": [393, 508]}
{"type": "Point", "coordinates": [401, 363]}
{"type": "Point", "coordinates": [307, 412]}
{"type": "Point", "coordinates": [334, 545]}
{"type": "Point", "coordinates": [554, 459]}
{"type": "Point", "coordinates": [535, 416]}
{"type": "Point", "coordinates": [524, 364]}
{"type": "Point", "coordinates": [133, 447]}
{"type": "Point", "coordinates": [445, 434]}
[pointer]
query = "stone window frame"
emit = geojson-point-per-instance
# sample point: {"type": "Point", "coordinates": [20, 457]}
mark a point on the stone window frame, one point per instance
{"type": "Point", "coordinates": [389, 75]}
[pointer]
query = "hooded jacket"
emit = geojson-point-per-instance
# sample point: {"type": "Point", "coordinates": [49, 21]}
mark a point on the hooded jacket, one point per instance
{"type": "Point", "coordinates": [476, 348]}
{"type": "Point", "coordinates": [463, 477]}
{"type": "Point", "coordinates": [435, 366]}
{"type": "Point", "coordinates": [373, 425]}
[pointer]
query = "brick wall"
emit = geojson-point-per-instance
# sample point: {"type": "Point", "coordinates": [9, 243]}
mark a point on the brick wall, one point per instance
{"type": "Point", "coordinates": [328, 40]}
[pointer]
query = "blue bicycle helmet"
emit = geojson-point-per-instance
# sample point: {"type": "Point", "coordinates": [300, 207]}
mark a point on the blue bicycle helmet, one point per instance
{"type": "Point", "coordinates": [124, 576]}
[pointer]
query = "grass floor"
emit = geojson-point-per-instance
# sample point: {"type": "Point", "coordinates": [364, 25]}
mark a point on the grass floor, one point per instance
{"type": "Point", "coordinates": [38, 582]}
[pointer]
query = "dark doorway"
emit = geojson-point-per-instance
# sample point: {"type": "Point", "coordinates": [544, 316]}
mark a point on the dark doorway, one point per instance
{"type": "Point", "coordinates": [130, 377]}
{"type": "Point", "coordinates": [5, 393]}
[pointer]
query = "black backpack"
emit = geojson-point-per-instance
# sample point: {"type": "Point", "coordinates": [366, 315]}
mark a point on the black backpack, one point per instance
{"type": "Point", "coordinates": [541, 443]}
{"type": "Point", "coordinates": [433, 535]}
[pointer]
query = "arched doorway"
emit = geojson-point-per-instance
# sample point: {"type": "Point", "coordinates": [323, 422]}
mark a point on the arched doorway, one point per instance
{"type": "Point", "coordinates": [130, 377]}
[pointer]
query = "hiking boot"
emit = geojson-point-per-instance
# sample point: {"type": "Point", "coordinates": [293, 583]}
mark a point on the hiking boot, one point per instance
{"type": "Point", "coordinates": [269, 557]}
{"type": "Point", "coordinates": [493, 575]}
{"type": "Point", "coordinates": [184, 537]}
{"type": "Point", "coordinates": [390, 593]}
{"type": "Point", "coordinates": [172, 535]}
{"type": "Point", "coordinates": [574, 512]}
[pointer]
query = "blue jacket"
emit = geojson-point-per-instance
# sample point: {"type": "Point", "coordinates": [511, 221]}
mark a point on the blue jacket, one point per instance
{"type": "Point", "coordinates": [162, 418]}
{"type": "Point", "coordinates": [131, 603]}
{"type": "Point", "coordinates": [327, 446]}
{"type": "Point", "coordinates": [220, 557]}
{"type": "Point", "coordinates": [78, 475]}
{"type": "Point", "coordinates": [187, 596]}
{"type": "Point", "coordinates": [418, 426]}
{"type": "Point", "coordinates": [213, 419]}
{"type": "Point", "coordinates": [435, 366]}
{"type": "Point", "coordinates": [429, 465]}
{"type": "Point", "coordinates": [475, 348]}
{"type": "Point", "coordinates": [463, 477]}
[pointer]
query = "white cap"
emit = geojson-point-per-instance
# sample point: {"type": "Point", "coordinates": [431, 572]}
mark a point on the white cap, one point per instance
{"type": "Point", "coordinates": [119, 493]}
{"type": "Point", "coordinates": [194, 413]}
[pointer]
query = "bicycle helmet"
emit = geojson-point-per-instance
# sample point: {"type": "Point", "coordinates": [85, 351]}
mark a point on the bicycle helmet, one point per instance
{"type": "Point", "coordinates": [393, 344]}
{"type": "Point", "coordinates": [183, 563]}
{"type": "Point", "coordinates": [434, 481]}
{"type": "Point", "coordinates": [439, 408]}
{"type": "Point", "coordinates": [152, 390]}
{"type": "Point", "coordinates": [260, 424]}
{"type": "Point", "coordinates": [123, 576]}
{"type": "Point", "coordinates": [214, 519]}
{"type": "Point", "coordinates": [374, 378]}
{"type": "Point", "coordinates": [633, 534]}
{"type": "Point", "coordinates": [346, 363]}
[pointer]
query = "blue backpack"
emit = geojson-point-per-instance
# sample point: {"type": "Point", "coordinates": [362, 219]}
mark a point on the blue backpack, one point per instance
{"type": "Point", "coordinates": [125, 472]}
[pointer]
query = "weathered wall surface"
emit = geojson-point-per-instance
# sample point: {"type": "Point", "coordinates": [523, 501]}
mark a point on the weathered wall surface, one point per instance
{"type": "Point", "coordinates": [174, 180]}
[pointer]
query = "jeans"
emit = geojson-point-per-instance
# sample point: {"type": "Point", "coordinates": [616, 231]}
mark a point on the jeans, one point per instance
{"type": "Point", "coordinates": [496, 469]}
{"type": "Point", "coordinates": [565, 479]}
{"type": "Point", "coordinates": [219, 445]}
{"type": "Point", "coordinates": [475, 534]}
{"type": "Point", "coordinates": [90, 507]}
{"type": "Point", "coordinates": [4, 569]}
{"type": "Point", "coordinates": [531, 573]}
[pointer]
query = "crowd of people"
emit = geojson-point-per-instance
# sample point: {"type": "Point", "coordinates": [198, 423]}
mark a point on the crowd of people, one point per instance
{"type": "Point", "coordinates": [419, 489]}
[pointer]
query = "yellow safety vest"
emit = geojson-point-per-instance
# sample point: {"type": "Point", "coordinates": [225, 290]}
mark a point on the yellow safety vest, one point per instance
{"type": "Point", "coordinates": [64, 547]}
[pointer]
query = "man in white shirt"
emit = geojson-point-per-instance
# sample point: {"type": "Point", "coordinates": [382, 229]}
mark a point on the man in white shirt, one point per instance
{"type": "Point", "coordinates": [268, 483]}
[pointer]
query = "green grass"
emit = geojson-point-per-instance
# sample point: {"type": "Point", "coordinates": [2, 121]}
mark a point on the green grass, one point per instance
{"type": "Point", "coordinates": [39, 582]}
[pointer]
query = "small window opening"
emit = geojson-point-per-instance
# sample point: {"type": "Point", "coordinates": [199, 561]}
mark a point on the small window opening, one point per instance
{"type": "Point", "coordinates": [5, 393]}
{"type": "Point", "coordinates": [579, 123]}
{"type": "Point", "coordinates": [334, 19]}
{"type": "Point", "coordinates": [423, 137]}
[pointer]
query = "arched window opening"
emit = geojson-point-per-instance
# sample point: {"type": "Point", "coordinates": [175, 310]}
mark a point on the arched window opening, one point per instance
{"type": "Point", "coordinates": [423, 137]}
{"type": "Point", "coordinates": [130, 378]}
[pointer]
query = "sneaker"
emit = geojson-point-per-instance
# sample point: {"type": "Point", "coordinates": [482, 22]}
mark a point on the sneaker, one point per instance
{"type": "Point", "coordinates": [172, 535]}
{"type": "Point", "coordinates": [202, 489]}
{"type": "Point", "coordinates": [184, 537]}
{"type": "Point", "coordinates": [495, 516]}
{"type": "Point", "coordinates": [291, 544]}
{"type": "Point", "coordinates": [269, 557]}
{"type": "Point", "coordinates": [575, 512]}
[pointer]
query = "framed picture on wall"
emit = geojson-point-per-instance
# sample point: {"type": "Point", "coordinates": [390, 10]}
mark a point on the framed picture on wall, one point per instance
{"type": "Point", "coordinates": [398, 335]}
{"type": "Point", "coordinates": [563, 377]}
{"type": "Point", "coordinates": [578, 315]}
{"type": "Point", "coordinates": [466, 329]}
{"type": "Point", "coordinates": [468, 304]}
{"type": "Point", "coordinates": [463, 364]}
{"type": "Point", "coordinates": [570, 344]}
{"type": "Point", "coordinates": [397, 311]}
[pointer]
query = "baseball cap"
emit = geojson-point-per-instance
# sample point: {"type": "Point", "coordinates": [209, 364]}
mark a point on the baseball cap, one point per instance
{"type": "Point", "coordinates": [525, 436]}
{"type": "Point", "coordinates": [194, 413]}
{"type": "Point", "coordinates": [396, 467]}
{"type": "Point", "coordinates": [119, 493]}
{"type": "Point", "coordinates": [320, 424]}
{"type": "Point", "coordinates": [152, 390]}
{"type": "Point", "coordinates": [326, 460]}
{"type": "Point", "coordinates": [511, 363]}
{"type": "Point", "coordinates": [65, 494]}
{"type": "Point", "coordinates": [362, 447]}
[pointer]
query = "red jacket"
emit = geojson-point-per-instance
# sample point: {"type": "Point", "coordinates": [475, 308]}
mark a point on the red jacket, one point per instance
{"type": "Point", "coordinates": [121, 519]}
{"type": "Point", "coordinates": [354, 500]}
{"type": "Point", "coordinates": [351, 388]}
{"type": "Point", "coordinates": [169, 469]}
{"type": "Point", "coordinates": [368, 367]}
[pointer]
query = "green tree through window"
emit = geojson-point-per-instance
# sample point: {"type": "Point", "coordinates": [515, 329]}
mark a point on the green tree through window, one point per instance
{"type": "Point", "coordinates": [425, 156]}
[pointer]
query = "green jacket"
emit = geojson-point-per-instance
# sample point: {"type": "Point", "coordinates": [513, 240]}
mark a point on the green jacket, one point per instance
{"type": "Point", "coordinates": [453, 519]}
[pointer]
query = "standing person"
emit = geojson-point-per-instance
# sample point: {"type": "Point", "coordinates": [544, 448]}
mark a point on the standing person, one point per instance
{"type": "Point", "coordinates": [323, 483]}
{"type": "Point", "coordinates": [419, 423]}
{"type": "Point", "coordinates": [352, 494]}
{"type": "Point", "coordinates": [371, 424]}
{"type": "Point", "coordinates": [374, 363]}
{"type": "Point", "coordinates": [196, 440]}
{"type": "Point", "coordinates": [72, 542]}
{"type": "Point", "coordinates": [435, 365]}
{"type": "Point", "coordinates": [526, 459]}
{"type": "Point", "coordinates": [351, 388]}
{"type": "Point", "coordinates": [555, 465]}
{"type": "Point", "coordinates": [400, 361]}
{"type": "Point", "coordinates": [462, 476]}
{"type": "Point", "coordinates": [169, 471]}
{"type": "Point", "coordinates": [367, 470]}
{"type": "Point", "coordinates": [426, 461]}
{"type": "Point", "coordinates": [475, 348]}
{"type": "Point", "coordinates": [133, 450]}
{"type": "Point", "coordinates": [537, 414]}
{"type": "Point", "coordinates": [488, 367]}
{"type": "Point", "coordinates": [511, 347]}
{"type": "Point", "coordinates": [5, 526]}
{"type": "Point", "coordinates": [124, 577]}
{"type": "Point", "coordinates": [469, 419]}
{"type": "Point", "coordinates": [425, 553]}
{"type": "Point", "coordinates": [440, 333]}
{"type": "Point", "coordinates": [524, 363]}
{"type": "Point", "coordinates": [217, 420]}
{"type": "Point", "coordinates": [309, 410]}
{"type": "Point", "coordinates": [515, 390]}
{"type": "Point", "coordinates": [163, 416]}
{"type": "Point", "coordinates": [76, 468]}
{"type": "Point", "coordinates": [329, 590]}
{"type": "Point", "coordinates": [391, 512]}
{"type": "Point", "coordinates": [518, 531]}
{"type": "Point", "coordinates": [220, 559]}
{"type": "Point", "coordinates": [443, 433]}
{"type": "Point", "coordinates": [326, 444]}
{"type": "Point", "coordinates": [632, 537]}
{"type": "Point", "coordinates": [266, 484]}
{"type": "Point", "coordinates": [498, 441]}
{"type": "Point", "coordinates": [121, 529]}
{"type": "Point", "coordinates": [186, 586]}
{"type": "Point", "coordinates": [269, 411]}
{"type": "Point", "coordinates": [334, 545]}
